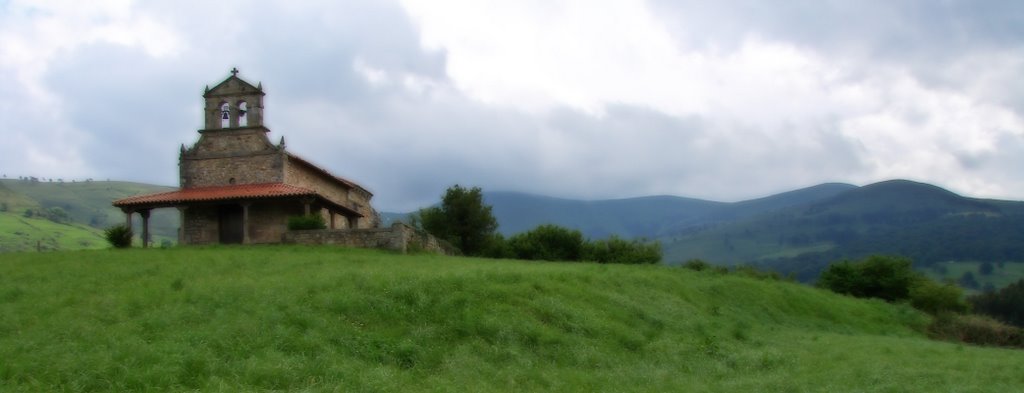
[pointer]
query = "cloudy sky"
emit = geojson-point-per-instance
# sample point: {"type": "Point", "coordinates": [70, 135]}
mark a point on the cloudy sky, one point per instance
{"type": "Point", "coordinates": [723, 100]}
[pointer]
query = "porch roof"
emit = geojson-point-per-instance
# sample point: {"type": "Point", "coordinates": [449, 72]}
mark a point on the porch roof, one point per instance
{"type": "Point", "coordinates": [237, 192]}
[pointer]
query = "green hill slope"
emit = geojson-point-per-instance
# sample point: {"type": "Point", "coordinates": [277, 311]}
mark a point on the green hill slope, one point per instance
{"type": "Point", "coordinates": [87, 204]}
{"type": "Point", "coordinates": [330, 319]}
{"type": "Point", "coordinates": [19, 233]}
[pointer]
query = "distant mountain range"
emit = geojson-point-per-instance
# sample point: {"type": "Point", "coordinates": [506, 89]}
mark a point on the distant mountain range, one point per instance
{"type": "Point", "coordinates": [800, 231]}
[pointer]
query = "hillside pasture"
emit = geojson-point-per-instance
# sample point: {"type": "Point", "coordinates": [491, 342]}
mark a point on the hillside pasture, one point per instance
{"type": "Point", "coordinates": [18, 233]}
{"type": "Point", "coordinates": [333, 319]}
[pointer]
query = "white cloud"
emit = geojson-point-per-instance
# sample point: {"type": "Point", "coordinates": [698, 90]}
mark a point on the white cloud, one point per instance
{"type": "Point", "coordinates": [613, 98]}
{"type": "Point", "coordinates": [758, 97]}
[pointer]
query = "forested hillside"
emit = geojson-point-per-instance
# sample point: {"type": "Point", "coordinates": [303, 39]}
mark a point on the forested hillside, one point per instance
{"type": "Point", "coordinates": [919, 221]}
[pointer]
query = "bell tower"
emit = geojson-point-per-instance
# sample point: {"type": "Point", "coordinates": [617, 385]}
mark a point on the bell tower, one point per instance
{"type": "Point", "coordinates": [234, 145]}
{"type": "Point", "coordinates": [234, 103]}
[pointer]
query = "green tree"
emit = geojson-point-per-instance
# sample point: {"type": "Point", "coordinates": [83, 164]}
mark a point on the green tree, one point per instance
{"type": "Point", "coordinates": [986, 268]}
{"type": "Point", "coordinates": [967, 280]}
{"type": "Point", "coordinates": [462, 219]}
{"type": "Point", "coordinates": [3, 206]}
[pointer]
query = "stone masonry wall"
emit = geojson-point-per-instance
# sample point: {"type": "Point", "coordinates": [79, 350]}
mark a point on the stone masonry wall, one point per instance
{"type": "Point", "coordinates": [233, 142]}
{"type": "Point", "coordinates": [399, 237]}
{"type": "Point", "coordinates": [200, 225]}
{"type": "Point", "coordinates": [268, 220]}
{"type": "Point", "coordinates": [255, 169]}
{"type": "Point", "coordinates": [302, 176]}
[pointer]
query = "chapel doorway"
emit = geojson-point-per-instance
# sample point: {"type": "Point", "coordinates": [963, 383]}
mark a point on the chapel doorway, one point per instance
{"type": "Point", "coordinates": [230, 220]}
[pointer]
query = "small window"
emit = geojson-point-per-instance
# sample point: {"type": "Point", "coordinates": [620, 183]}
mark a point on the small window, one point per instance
{"type": "Point", "coordinates": [231, 181]}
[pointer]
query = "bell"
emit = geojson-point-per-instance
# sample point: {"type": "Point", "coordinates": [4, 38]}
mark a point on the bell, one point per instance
{"type": "Point", "coordinates": [224, 115]}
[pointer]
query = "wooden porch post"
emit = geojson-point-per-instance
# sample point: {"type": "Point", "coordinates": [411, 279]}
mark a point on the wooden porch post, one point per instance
{"type": "Point", "coordinates": [127, 218]}
{"type": "Point", "coordinates": [145, 227]}
{"type": "Point", "coordinates": [306, 204]}
{"type": "Point", "coordinates": [181, 228]}
{"type": "Point", "coordinates": [332, 218]}
{"type": "Point", "coordinates": [245, 222]}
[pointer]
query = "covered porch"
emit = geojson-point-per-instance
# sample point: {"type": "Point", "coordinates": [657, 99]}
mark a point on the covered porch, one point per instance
{"type": "Point", "coordinates": [236, 214]}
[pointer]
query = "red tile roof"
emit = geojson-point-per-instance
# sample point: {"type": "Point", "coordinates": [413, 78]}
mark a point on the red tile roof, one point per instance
{"type": "Point", "coordinates": [219, 193]}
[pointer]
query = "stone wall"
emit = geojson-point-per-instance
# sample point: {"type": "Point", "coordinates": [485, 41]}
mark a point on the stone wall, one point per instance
{"type": "Point", "coordinates": [399, 237]}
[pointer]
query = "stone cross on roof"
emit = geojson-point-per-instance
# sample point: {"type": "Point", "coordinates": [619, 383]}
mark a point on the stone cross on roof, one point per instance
{"type": "Point", "coordinates": [234, 71]}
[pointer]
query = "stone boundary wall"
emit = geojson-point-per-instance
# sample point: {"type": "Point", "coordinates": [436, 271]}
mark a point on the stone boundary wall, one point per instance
{"type": "Point", "coordinates": [399, 237]}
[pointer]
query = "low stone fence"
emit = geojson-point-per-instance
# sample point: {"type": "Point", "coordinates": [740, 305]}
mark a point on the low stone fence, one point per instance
{"type": "Point", "coordinates": [399, 237]}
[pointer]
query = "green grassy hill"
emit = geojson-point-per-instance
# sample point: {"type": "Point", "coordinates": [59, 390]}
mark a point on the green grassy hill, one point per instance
{"type": "Point", "coordinates": [87, 204]}
{"type": "Point", "coordinates": [18, 233]}
{"type": "Point", "coordinates": [332, 319]}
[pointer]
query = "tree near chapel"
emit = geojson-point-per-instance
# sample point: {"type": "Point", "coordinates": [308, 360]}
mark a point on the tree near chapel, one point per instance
{"type": "Point", "coordinates": [462, 219]}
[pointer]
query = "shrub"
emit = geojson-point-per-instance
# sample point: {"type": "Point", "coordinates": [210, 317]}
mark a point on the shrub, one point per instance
{"type": "Point", "coordinates": [312, 221]}
{"type": "Point", "coordinates": [119, 236]}
{"type": "Point", "coordinates": [976, 329]}
{"type": "Point", "coordinates": [618, 250]}
{"type": "Point", "coordinates": [935, 298]}
{"type": "Point", "coordinates": [497, 247]}
{"type": "Point", "coordinates": [1007, 304]}
{"type": "Point", "coordinates": [56, 214]}
{"type": "Point", "coordinates": [753, 272]}
{"type": "Point", "coordinates": [887, 278]}
{"type": "Point", "coordinates": [697, 265]}
{"type": "Point", "coordinates": [548, 243]}
{"type": "Point", "coordinates": [892, 279]}
{"type": "Point", "coordinates": [843, 277]}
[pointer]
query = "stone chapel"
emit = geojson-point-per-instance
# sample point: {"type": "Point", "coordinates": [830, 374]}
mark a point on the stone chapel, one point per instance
{"type": "Point", "coordinates": [238, 187]}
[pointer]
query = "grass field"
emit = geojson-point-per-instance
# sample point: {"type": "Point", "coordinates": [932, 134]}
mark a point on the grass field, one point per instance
{"type": "Point", "coordinates": [331, 319]}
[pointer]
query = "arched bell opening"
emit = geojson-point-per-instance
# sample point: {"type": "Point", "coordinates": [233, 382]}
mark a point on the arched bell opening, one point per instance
{"type": "Point", "coordinates": [225, 115]}
{"type": "Point", "coordinates": [243, 117]}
